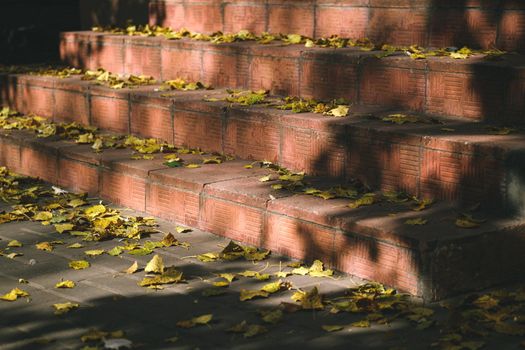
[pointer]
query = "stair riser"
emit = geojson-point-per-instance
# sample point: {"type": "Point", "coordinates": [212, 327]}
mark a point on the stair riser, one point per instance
{"type": "Point", "coordinates": [472, 89]}
{"type": "Point", "coordinates": [385, 158]}
{"type": "Point", "coordinates": [427, 23]}
{"type": "Point", "coordinates": [421, 270]}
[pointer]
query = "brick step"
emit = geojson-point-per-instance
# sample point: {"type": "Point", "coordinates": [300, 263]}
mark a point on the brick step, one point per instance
{"type": "Point", "coordinates": [439, 23]}
{"type": "Point", "coordinates": [432, 261]}
{"type": "Point", "coordinates": [451, 159]}
{"type": "Point", "coordinates": [474, 88]}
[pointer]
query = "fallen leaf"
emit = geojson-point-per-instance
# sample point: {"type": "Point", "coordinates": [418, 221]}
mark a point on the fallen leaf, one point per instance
{"type": "Point", "coordinates": [117, 343]}
{"type": "Point", "coordinates": [14, 244]}
{"type": "Point", "coordinates": [416, 221]}
{"type": "Point", "coordinates": [94, 252]}
{"type": "Point", "coordinates": [75, 246]}
{"type": "Point", "coordinates": [14, 294]}
{"type": "Point", "coordinates": [361, 324]}
{"type": "Point", "coordinates": [79, 264]}
{"type": "Point", "coordinates": [250, 294]}
{"type": "Point", "coordinates": [13, 255]}
{"type": "Point", "coordinates": [61, 228]}
{"type": "Point", "coordinates": [65, 284]}
{"type": "Point", "coordinates": [133, 268]}
{"type": "Point", "coordinates": [62, 308]}
{"type": "Point", "coordinates": [182, 229]}
{"type": "Point", "coordinates": [155, 265]}
{"type": "Point", "coordinates": [199, 320]}
{"type": "Point", "coordinates": [332, 328]}
{"type": "Point", "coordinates": [310, 300]}
{"type": "Point", "coordinates": [271, 316]}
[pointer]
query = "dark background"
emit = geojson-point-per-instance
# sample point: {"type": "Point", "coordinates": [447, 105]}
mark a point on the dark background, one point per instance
{"type": "Point", "coordinates": [29, 29]}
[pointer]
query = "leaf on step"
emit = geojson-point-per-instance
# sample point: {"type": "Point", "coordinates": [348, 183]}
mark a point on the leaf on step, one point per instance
{"type": "Point", "coordinates": [365, 200]}
{"type": "Point", "coordinates": [155, 265]}
{"type": "Point", "coordinates": [182, 229]}
{"type": "Point", "coordinates": [79, 264]}
{"type": "Point", "coordinates": [115, 251]}
{"type": "Point", "coordinates": [310, 300]}
{"type": "Point", "coordinates": [400, 118]}
{"type": "Point", "coordinates": [62, 308]}
{"type": "Point", "coordinates": [416, 221]}
{"type": "Point", "coordinates": [422, 204]}
{"type": "Point", "coordinates": [94, 252]}
{"type": "Point", "coordinates": [361, 324]}
{"type": "Point", "coordinates": [250, 294]}
{"type": "Point", "coordinates": [61, 228]}
{"type": "Point", "coordinates": [339, 111]}
{"type": "Point", "coordinates": [332, 328]}
{"type": "Point", "coordinates": [14, 294]}
{"type": "Point", "coordinates": [199, 320]}
{"type": "Point", "coordinates": [65, 284]}
{"type": "Point", "coordinates": [266, 178]}
{"type": "Point", "coordinates": [467, 221]}
{"type": "Point", "coordinates": [14, 244]}
{"type": "Point", "coordinates": [133, 268]}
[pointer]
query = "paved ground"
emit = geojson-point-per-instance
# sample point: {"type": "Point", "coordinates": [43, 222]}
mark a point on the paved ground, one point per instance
{"type": "Point", "coordinates": [111, 300]}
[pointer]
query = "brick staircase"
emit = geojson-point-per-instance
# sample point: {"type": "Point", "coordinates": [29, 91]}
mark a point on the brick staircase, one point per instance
{"type": "Point", "coordinates": [456, 155]}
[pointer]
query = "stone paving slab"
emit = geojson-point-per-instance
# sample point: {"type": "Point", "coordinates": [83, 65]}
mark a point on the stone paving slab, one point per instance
{"type": "Point", "coordinates": [111, 300]}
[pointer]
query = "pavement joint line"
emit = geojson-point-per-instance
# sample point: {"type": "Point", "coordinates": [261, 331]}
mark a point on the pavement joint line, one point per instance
{"type": "Point", "coordinates": [41, 288]}
{"type": "Point", "coordinates": [101, 287]}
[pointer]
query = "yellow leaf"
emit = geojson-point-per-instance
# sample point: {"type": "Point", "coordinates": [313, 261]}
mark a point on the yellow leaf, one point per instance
{"type": "Point", "coordinates": [273, 287]}
{"type": "Point", "coordinates": [339, 111]}
{"type": "Point", "coordinates": [77, 202]}
{"type": "Point", "coordinates": [416, 221]}
{"type": "Point", "coordinates": [13, 255]}
{"type": "Point", "coordinates": [94, 252]}
{"type": "Point", "coordinates": [193, 166]}
{"type": "Point", "coordinates": [200, 320]}
{"type": "Point", "coordinates": [208, 257]}
{"type": "Point", "coordinates": [250, 294]}
{"type": "Point", "coordinates": [254, 330]}
{"type": "Point", "coordinates": [14, 244]}
{"type": "Point", "coordinates": [43, 216]}
{"type": "Point", "coordinates": [332, 328]}
{"type": "Point", "coordinates": [79, 264]}
{"type": "Point", "coordinates": [115, 251]}
{"type": "Point", "coordinates": [162, 279]}
{"type": "Point", "coordinates": [361, 324]}
{"type": "Point", "coordinates": [466, 221]}
{"type": "Point", "coordinates": [227, 276]}
{"type": "Point", "coordinates": [271, 316]}
{"type": "Point", "coordinates": [181, 229]}
{"type": "Point", "coordinates": [265, 178]}
{"type": "Point", "coordinates": [155, 265]}
{"type": "Point", "coordinates": [310, 300]}
{"type": "Point", "coordinates": [95, 210]}
{"type": "Point", "coordinates": [457, 55]}
{"type": "Point", "coordinates": [62, 308]}
{"type": "Point", "coordinates": [65, 284]}
{"type": "Point", "coordinates": [75, 246]}
{"type": "Point", "coordinates": [366, 199]}
{"type": "Point", "coordinates": [400, 118]}
{"type": "Point", "coordinates": [61, 228]}
{"type": "Point", "coordinates": [133, 268]}
{"type": "Point", "coordinates": [14, 294]}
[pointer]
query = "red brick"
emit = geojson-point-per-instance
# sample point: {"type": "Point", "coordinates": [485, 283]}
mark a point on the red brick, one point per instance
{"type": "Point", "coordinates": [328, 76]}
{"type": "Point", "coordinates": [399, 26]}
{"type": "Point", "coordinates": [511, 31]}
{"type": "Point", "coordinates": [316, 153]}
{"type": "Point", "coordinates": [233, 220]}
{"type": "Point", "coordinates": [203, 17]}
{"type": "Point", "coordinates": [226, 66]}
{"type": "Point", "coordinates": [394, 86]}
{"type": "Point", "coordinates": [287, 17]}
{"type": "Point", "coordinates": [77, 176]}
{"type": "Point", "coordinates": [110, 113]}
{"type": "Point", "coordinates": [142, 56]}
{"type": "Point", "coordinates": [298, 239]}
{"type": "Point", "coordinates": [74, 51]}
{"type": "Point", "coordinates": [278, 73]}
{"type": "Point", "coordinates": [344, 21]}
{"type": "Point", "coordinates": [151, 121]}
{"type": "Point", "coordinates": [10, 155]}
{"type": "Point", "coordinates": [107, 51]}
{"type": "Point", "coordinates": [198, 130]}
{"type": "Point", "coordinates": [71, 106]}
{"type": "Point", "coordinates": [35, 100]}
{"type": "Point", "coordinates": [180, 63]}
{"type": "Point", "coordinates": [474, 28]}
{"type": "Point", "coordinates": [252, 135]}
{"type": "Point", "coordinates": [172, 203]}
{"type": "Point", "coordinates": [244, 16]}
{"type": "Point", "coordinates": [167, 14]}
{"type": "Point", "coordinates": [123, 189]}
{"type": "Point", "coordinates": [39, 163]}
{"type": "Point", "coordinates": [378, 261]}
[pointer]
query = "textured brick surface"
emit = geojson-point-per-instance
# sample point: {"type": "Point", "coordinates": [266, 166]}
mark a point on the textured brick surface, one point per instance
{"type": "Point", "coordinates": [173, 203]}
{"type": "Point", "coordinates": [78, 176]}
{"type": "Point", "coordinates": [124, 189]}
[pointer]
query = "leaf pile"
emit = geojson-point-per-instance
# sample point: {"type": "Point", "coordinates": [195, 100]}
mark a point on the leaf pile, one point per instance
{"type": "Point", "coordinates": [115, 81]}
{"type": "Point", "coordinates": [234, 251]}
{"type": "Point", "coordinates": [333, 41]}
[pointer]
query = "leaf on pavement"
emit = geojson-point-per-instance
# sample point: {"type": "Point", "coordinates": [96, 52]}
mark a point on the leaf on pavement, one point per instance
{"type": "Point", "coordinates": [79, 264]}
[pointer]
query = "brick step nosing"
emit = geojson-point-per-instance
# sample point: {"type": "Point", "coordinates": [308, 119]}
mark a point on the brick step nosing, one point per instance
{"type": "Point", "coordinates": [475, 88]}
{"type": "Point", "coordinates": [467, 165]}
{"type": "Point", "coordinates": [420, 269]}
{"type": "Point", "coordinates": [427, 23]}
